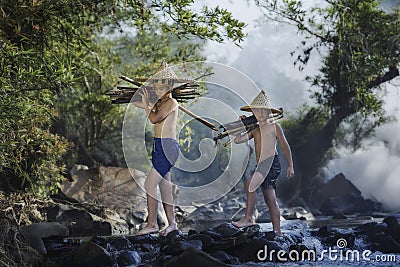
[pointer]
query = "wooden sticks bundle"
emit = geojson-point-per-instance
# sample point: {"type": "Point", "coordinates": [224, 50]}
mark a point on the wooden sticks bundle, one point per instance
{"type": "Point", "coordinates": [123, 94]}
{"type": "Point", "coordinates": [241, 126]}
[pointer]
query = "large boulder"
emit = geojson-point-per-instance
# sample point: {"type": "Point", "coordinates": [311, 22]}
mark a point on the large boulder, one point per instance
{"type": "Point", "coordinates": [87, 219]}
{"type": "Point", "coordinates": [393, 223]}
{"type": "Point", "coordinates": [36, 231]}
{"type": "Point", "coordinates": [119, 189]}
{"type": "Point", "coordinates": [90, 254]}
{"type": "Point", "coordinates": [339, 195]}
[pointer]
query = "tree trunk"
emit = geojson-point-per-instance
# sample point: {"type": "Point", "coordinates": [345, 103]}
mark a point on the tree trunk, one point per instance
{"type": "Point", "coordinates": [309, 153]}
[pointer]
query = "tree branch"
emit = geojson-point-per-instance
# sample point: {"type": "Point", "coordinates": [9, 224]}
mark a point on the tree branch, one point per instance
{"type": "Point", "coordinates": [391, 74]}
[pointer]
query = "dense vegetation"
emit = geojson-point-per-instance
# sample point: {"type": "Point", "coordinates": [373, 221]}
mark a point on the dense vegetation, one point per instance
{"type": "Point", "coordinates": [57, 60]}
{"type": "Point", "coordinates": [361, 52]}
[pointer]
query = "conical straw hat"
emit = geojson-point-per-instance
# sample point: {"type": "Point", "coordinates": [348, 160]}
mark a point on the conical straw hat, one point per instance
{"type": "Point", "coordinates": [261, 101]}
{"type": "Point", "coordinates": [165, 73]}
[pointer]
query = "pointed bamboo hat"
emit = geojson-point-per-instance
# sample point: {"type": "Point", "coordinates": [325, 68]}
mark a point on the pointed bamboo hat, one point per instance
{"type": "Point", "coordinates": [164, 74]}
{"type": "Point", "coordinates": [261, 101]}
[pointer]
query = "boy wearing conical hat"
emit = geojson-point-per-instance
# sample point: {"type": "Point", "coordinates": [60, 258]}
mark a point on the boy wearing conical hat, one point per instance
{"type": "Point", "coordinates": [268, 166]}
{"type": "Point", "coordinates": [163, 114]}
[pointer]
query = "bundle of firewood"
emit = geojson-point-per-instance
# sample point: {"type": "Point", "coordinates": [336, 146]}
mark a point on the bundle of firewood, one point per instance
{"type": "Point", "coordinates": [123, 94]}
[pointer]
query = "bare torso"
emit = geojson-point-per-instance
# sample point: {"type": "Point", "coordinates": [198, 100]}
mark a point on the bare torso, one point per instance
{"type": "Point", "coordinates": [167, 127]}
{"type": "Point", "coordinates": [265, 141]}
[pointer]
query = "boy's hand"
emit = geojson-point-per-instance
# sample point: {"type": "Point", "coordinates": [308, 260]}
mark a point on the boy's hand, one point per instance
{"type": "Point", "coordinates": [145, 97]}
{"type": "Point", "coordinates": [242, 117]}
{"type": "Point", "coordinates": [289, 172]}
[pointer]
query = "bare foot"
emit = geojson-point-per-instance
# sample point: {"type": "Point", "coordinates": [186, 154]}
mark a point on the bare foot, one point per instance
{"type": "Point", "coordinates": [149, 229]}
{"type": "Point", "coordinates": [244, 222]}
{"type": "Point", "coordinates": [170, 228]}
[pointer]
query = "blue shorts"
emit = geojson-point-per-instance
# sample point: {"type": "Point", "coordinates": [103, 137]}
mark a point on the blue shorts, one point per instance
{"type": "Point", "coordinates": [164, 155]}
{"type": "Point", "coordinates": [269, 168]}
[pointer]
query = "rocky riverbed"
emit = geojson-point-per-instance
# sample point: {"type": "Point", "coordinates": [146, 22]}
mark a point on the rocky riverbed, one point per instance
{"type": "Point", "coordinates": [226, 245]}
{"type": "Point", "coordinates": [74, 239]}
{"type": "Point", "coordinates": [93, 220]}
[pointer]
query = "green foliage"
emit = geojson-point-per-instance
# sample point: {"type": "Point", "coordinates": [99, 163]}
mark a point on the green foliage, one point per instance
{"type": "Point", "coordinates": [359, 44]}
{"type": "Point", "coordinates": [357, 58]}
{"type": "Point", "coordinates": [28, 150]}
{"type": "Point", "coordinates": [357, 129]}
{"type": "Point", "coordinates": [58, 58]}
{"type": "Point", "coordinates": [304, 123]}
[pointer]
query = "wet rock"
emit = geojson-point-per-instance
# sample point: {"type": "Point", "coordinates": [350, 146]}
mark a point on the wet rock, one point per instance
{"type": "Point", "coordinates": [194, 258]}
{"type": "Point", "coordinates": [331, 237]}
{"type": "Point", "coordinates": [212, 233]}
{"type": "Point", "coordinates": [385, 244]}
{"type": "Point", "coordinates": [128, 258]}
{"type": "Point", "coordinates": [323, 231]}
{"type": "Point", "coordinates": [270, 235]}
{"type": "Point", "coordinates": [293, 237]}
{"type": "Point", "coordinates": [225, 257]}
{"type": "Point", "coordinates": [371, 228]}
{"type": "Point", "coordinates": [262, 216]}
{"type": "Point", "coordinates": [119, 243]}
{"type": "Point", "coordinates": [346, 203]}
{"type": "Point", "coordinates": [364, 218]}
{"type": "Point", "coordinates": [339, 195]}
{"type": "Point", "coordinates": [227, 230]}
{"type": "Point", "coordinates": [90, 254]}
{"type": "Point", "coordinates": [213, 212]}
{"type": "Point", "coordinates": [393, 223]}
{"type": "Point", "coordinates": [179, 246]}
{"type": "Point", "coordinates": [252, 229]}
{"type": "Point", "coordinates": [99, 240]}
{"type": "Point", "coordinates": [74, 216]}
{"type": "Point", "coordinates": [228, 243]}
{"type": "Point", "coordinates": [174, 236]}
{"type": "Point", "coordinates": [294, 225]}
{"type": "Point", "coordinates": [90, 228]}
{"type": "Point", "coordinates": [35, 232]}
{"type": "Point", "coordinates": [60, 249]}
{"type": "Point", "coordinates": [206, 241]}
{"type": "Point", "coordinates": [339, 216]}
{"type": "Point", "coordinates": [250, 250]}
{"type": "Point", "coordinates": [349, 237]}
{"type": "Point", "coordinates": [149, 258]}
{"type": "Point", "coordinates": [192, 232]}
{"type": "Point", "coordinates": [294, 213]}
{"type": "Point", "coordinates": [316, 212]}
{"type": "Point", "coordinates": [299, 248]}
{"type": "Point", "coordinates": [143, 239]}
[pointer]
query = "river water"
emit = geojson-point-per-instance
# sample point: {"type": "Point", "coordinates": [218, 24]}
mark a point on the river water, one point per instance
{"type": "Point", "coordinates": [324, 256]}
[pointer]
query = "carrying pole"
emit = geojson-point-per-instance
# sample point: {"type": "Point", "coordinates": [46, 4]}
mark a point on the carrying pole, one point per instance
{"type": "Point", "coordinates": [200, 119]}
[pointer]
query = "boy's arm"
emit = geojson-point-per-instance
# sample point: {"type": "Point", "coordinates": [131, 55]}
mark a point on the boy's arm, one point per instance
{"type": "Point", "coordinates": [163, 111]}
{"type": "Point", "coordinates": [241, 138]}
{"type": "Point", "coordinates": [286, 150]}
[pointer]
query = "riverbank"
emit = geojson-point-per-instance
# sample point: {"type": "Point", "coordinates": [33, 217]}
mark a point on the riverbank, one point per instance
{"type": "Point", "coordinates": [55, 232]}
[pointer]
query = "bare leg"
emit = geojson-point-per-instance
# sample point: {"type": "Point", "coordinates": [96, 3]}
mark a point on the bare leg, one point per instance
{"type": "Point", "coordinates": [167, 199]}
{"type": "Point", "coordinates": [150, 185]}
{"type": "Point", "coordinates": [251, 196]}
{"type": "Point", "coordinates": [270, 199]}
